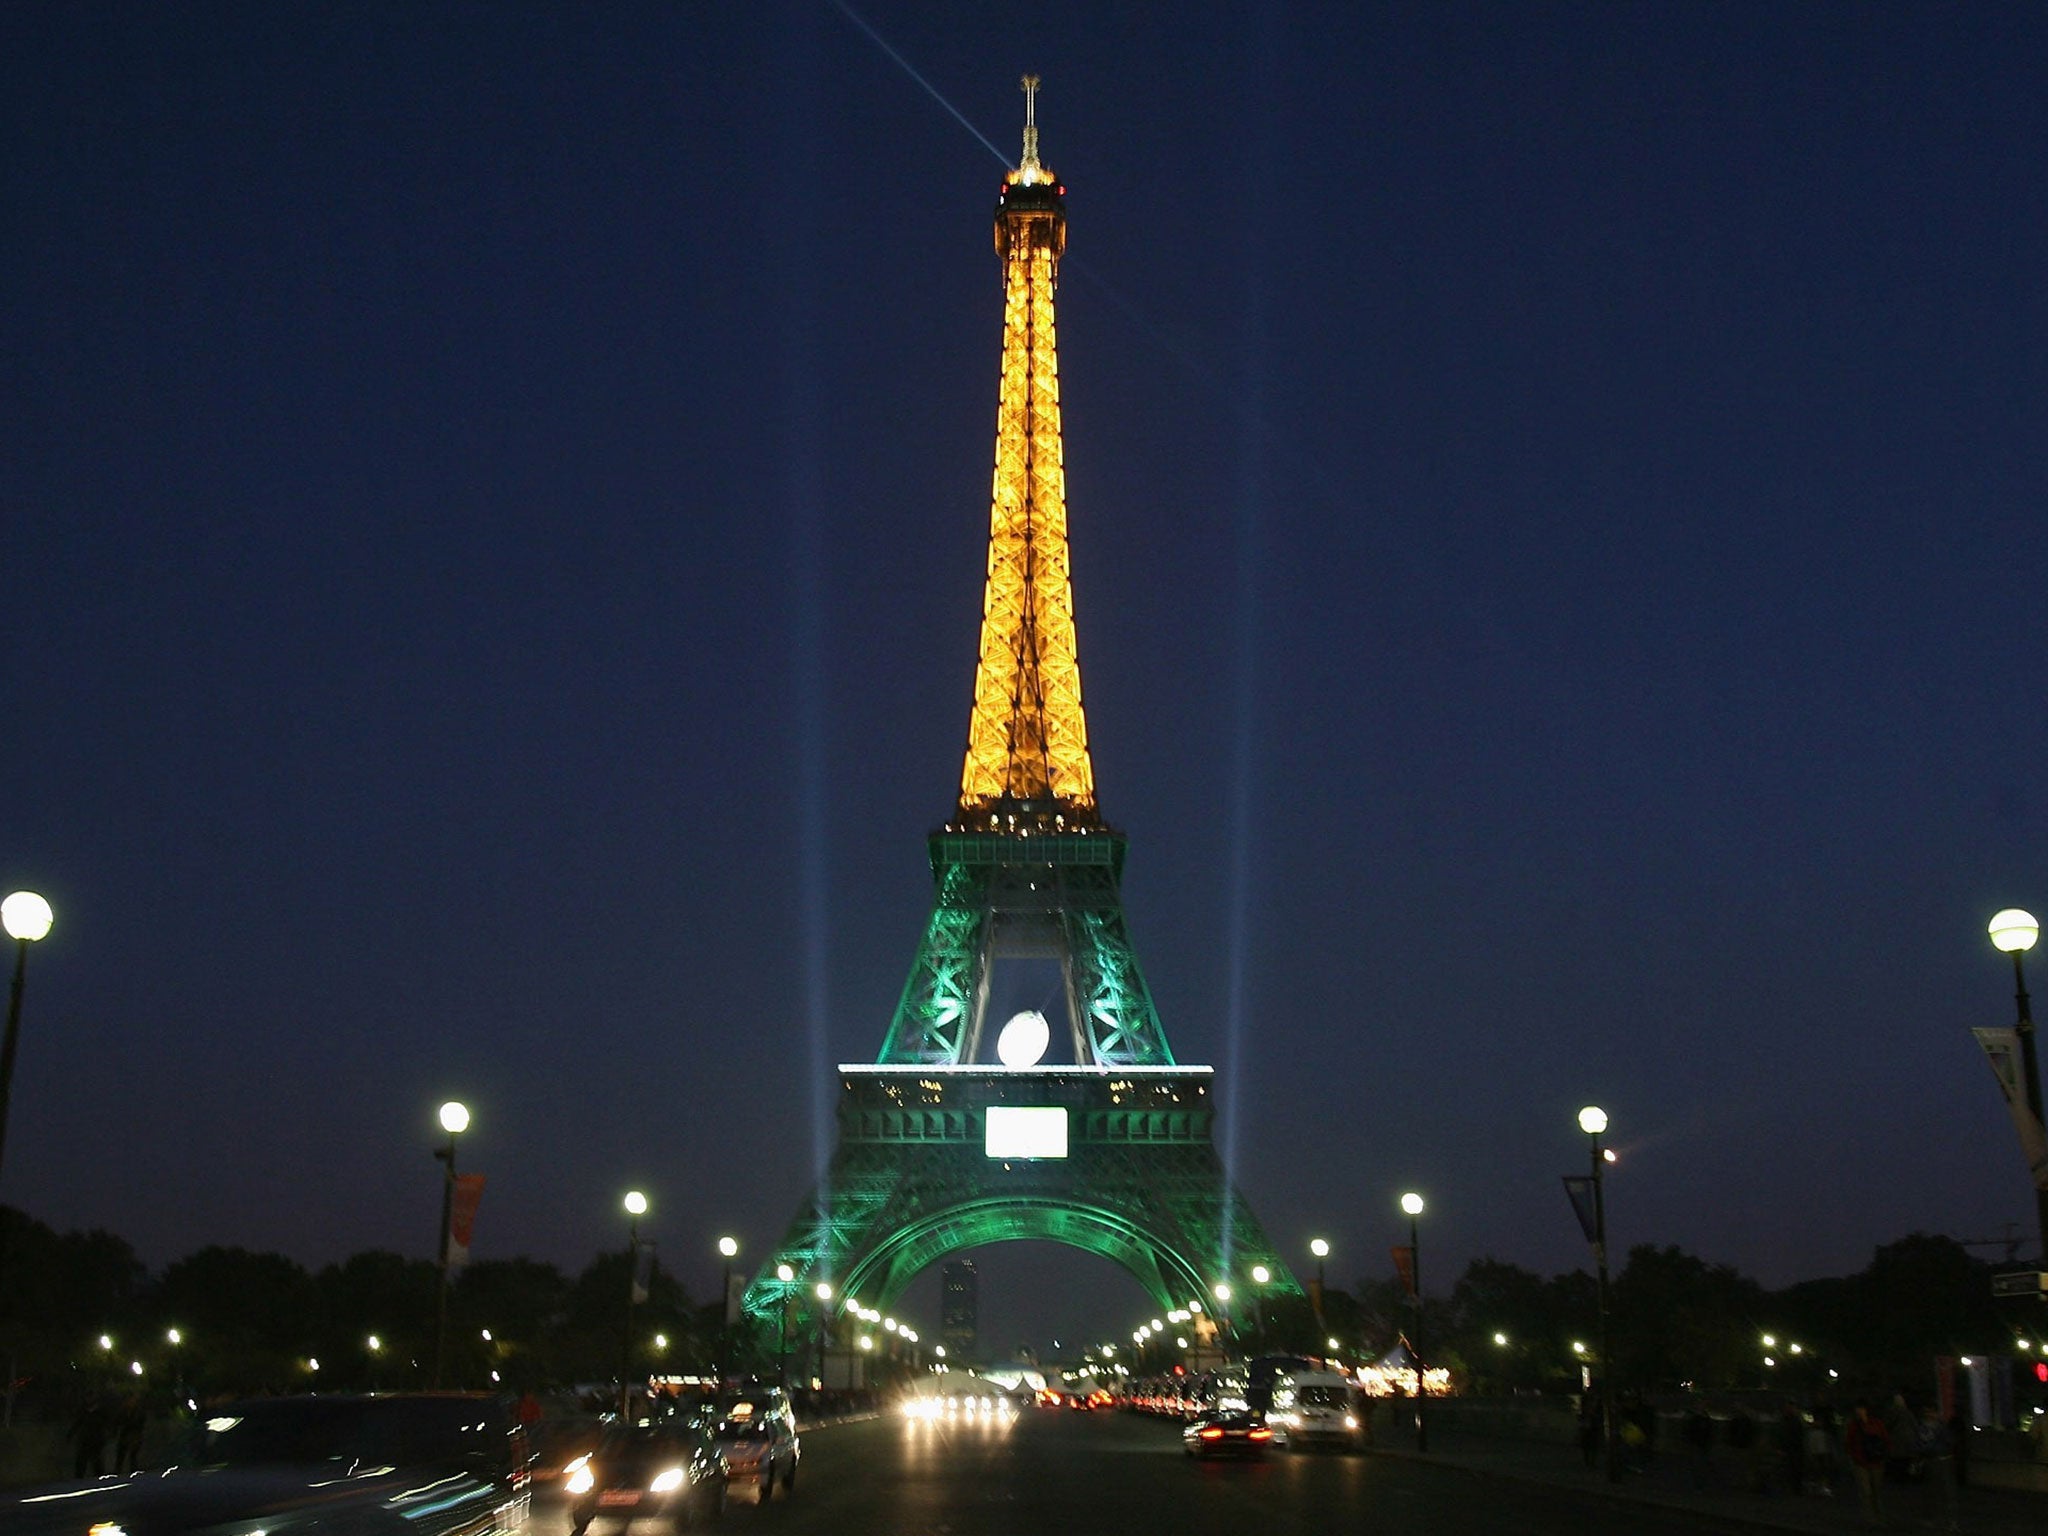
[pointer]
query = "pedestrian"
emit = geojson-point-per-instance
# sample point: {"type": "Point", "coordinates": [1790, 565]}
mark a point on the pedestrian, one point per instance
{"type": "Point", "coordinates": [1791, 1447]}
{"type": "Point", "coordinates": [1935, 1447]}
{"type": "Point", "coordinates": [89, 1437]}
{"type": "Point", "coordinates": [1823, 1465]}
{"type": "Point", "coordinates": [129, 1425]}
{"type": "Point", "coordinates": [1961, 1427]}
{"type": "Point", "coordinates": [1902, 1425]}
{"type": "Point", "coordinates": [1698, 1430]}
{"type": "Point", "coordinates": [1868, 1448]}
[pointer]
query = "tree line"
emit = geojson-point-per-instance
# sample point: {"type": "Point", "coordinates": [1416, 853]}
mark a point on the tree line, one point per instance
{"type": "Point", "coordinates": [248, 1321]}
{"type": "Point", "coordinates": [1677, 1321]}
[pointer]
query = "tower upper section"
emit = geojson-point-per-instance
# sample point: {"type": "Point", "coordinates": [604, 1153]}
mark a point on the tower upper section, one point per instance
{"type": "Point", "coordinates": [1027, 765]}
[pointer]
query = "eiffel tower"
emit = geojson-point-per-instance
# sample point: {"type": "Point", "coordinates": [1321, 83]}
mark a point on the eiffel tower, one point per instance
{"type": "Point", "coordinates": [938, 1150]}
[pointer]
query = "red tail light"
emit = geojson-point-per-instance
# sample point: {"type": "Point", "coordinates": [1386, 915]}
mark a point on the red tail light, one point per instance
{"type": "Point", "coordinates": [1212, 1433]}
{"type": "Point", "coordinates": [1262, 1434]}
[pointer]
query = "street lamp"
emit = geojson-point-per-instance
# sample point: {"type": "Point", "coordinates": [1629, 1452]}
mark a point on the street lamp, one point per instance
{"type": "Point", "coordinates": [1321, 1249]}
{"type": "Point", "coordinates": [176, 1338]}
{"type": "Point", "coordinates": [728, 1248]}
{"type": "Point", "coordinates": [786, 1276]}
{"type": "Point", "coordinates": [824, 1292]}
{"type": "Point", "coordinates": [1412, 1204]}
{"type": "Point", "coordinates": [26, 917]}
{"type": "Point", "coordinates": [454, 1120]}
{"type": "Point", "coordinates": [1260, 1275]}
{"type": "Point", "coordinates": [636, 1207]}
{"type": "Point", "coordinates": [1593, 1121]}
{"type": "Point", "coordinates": [2012, 930]}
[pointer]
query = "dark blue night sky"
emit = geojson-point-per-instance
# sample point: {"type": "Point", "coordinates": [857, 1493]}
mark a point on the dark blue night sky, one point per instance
{"type": "Point", "coordinates": [495, 505]}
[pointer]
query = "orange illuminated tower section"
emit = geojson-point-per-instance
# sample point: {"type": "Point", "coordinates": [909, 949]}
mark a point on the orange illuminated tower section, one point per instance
{"type": "Point", "coordinates": [1027, 740]}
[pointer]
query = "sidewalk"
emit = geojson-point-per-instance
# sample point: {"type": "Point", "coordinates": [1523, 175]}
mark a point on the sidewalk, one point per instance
{"type": "Point", "coordinates": [1726, 1499]}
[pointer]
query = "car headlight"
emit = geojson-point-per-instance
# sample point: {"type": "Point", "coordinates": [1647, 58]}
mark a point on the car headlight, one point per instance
{"type": "Point", "coordinates": [1351, 1421]}
{"type": "Point", "coordinates": [667, 1482]}
{"type": "Point", "coordinates": [580, 1479]}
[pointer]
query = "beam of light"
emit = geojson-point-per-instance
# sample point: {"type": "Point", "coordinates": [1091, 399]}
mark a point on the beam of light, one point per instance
{"type": "Point", "coordinates": [930, 90]}
{"type": "Point", "coordinates": [1248, 623]}
{"type": "Point", "coordinates": [803, 495]}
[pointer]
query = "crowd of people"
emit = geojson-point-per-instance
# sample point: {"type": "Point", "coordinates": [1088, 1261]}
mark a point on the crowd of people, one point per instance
{"type": "Point", "coordinates": [1809, 1451]}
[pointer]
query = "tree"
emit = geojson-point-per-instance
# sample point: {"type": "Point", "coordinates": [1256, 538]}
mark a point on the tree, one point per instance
{"type": "Point", "coordinates": [249, 1319]}
{"type": "Point", "coordinates": [383, 1295]}
{"type": "Point", "coordinates": [59, 1292]}
{"type": "Point", "coordinates": [1677, 1320]}
{"type": "Point", "coordinates": [1502, 1326]}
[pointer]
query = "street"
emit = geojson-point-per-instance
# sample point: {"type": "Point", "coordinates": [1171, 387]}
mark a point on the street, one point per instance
{"type": "Point", "coordinates": [1057, 1471]}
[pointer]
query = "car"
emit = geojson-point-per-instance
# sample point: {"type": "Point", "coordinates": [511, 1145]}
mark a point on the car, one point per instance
{"type": "Point", "coordinates": [1227, 1434]}
{"type": "Point", "coordinates": [658, 1468]}
{"type": "Point", "coordinates": [341, 1463]}
{"type": "Point", "coordinates": [759, 1443]}
{"type": "Point", "coordinates": [556, 1443]}
{"type": "Point", "coordinates": [1316, 1408]}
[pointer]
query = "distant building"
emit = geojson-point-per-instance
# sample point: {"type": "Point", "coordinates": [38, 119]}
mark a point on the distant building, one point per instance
{"type": "Point", "coordinates": [960, 1309]}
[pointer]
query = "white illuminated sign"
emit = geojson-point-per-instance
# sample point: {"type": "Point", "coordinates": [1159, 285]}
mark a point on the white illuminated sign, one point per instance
{"type": "Point", "coordinates": [1014, 1132]}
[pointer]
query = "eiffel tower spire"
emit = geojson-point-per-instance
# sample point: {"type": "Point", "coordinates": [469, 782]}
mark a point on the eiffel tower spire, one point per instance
{"type": "Point", "coordinates": [1027, 739]}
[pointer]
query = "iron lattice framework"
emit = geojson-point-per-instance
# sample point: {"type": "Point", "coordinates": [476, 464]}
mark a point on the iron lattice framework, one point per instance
{"type": "Point", "coordinates": [1025, 867]}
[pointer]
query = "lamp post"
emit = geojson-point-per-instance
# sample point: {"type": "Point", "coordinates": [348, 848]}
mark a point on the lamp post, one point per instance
{"type": "Point", "coordinates": [728, 1248]}
{"type": "Point", "coordinates": [2012, 930]}
{"type": "Point", "coordinates": [27, 918]}
{"type": "Point", "coordinates": [1221, 1291]}
{"type": "Point", "coordinates": [1260, 1276]}
{"type": "Point", "coordinates": [636, 1207]}
{"type": "Point", "coordinates": [176, 1338]}
{"type": "Point", "coordinates": [1321, 1250]}
{"type": "Point", "coordinates": [786, 1276]}
{"type": "Point", "coordinates": [824, 1291]}
{"type": "Point", "coordinates": [454, 1120]}
{"type": "Point", "coordinates": [1412, 1204]}
{"type": "Point", "coordinates": [1593, 1121]}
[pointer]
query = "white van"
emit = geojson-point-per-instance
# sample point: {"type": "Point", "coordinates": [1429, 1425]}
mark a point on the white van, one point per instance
{"type": "Point", "coordinates": [1316, 1408]}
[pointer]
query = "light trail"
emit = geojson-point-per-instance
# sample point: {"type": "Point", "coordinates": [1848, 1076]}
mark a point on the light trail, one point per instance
{"type": "Point", "coordinates": [911, 70]}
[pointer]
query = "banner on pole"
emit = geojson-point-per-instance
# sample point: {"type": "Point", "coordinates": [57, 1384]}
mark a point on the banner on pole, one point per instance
{"type": "Point", "coordinates": [643, 1272]}
{"type": "Point", "coordinates": [1404, 1266]}
{"type": "Point", "coordinates": [1585, 1202]}
{"type": "Point", "coordinates": [469, 1189]}
{"type": "Point", "coordinates": [2002, 1050]}
{"type": "Point", "coordinates": [735, 1288]}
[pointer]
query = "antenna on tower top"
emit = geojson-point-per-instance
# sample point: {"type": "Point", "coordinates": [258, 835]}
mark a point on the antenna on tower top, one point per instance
{"type": "Point", "coordinates": [1030, 161]}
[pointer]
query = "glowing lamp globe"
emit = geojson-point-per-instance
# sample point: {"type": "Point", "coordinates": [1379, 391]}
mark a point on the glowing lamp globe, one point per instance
{"type": "Point", "coordinates": [1412, 1204]}
{"type": "Point", "coordinates": [2010, 930]}
{"type": "Point", "coordinates": [729, 1246]}
{"type": "Point", "coordinates": [1319, 1248]}
{"type": "Point", "coordinates": [454, 1118]}
{"type": "Point", "coordinates": [1592, 1120]}
{"type": "Point", "coordinates": [27, 917]}
{"type": "Point", "coordinates": [636, 1203]}
{"type": "Point", "coordinates": [1261, 1274]}
{"type": "Point", "coordinates": [1024, 1039]}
